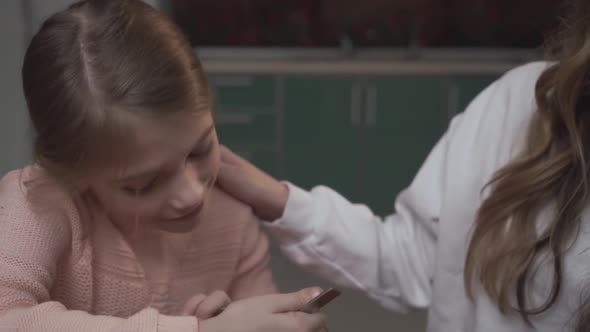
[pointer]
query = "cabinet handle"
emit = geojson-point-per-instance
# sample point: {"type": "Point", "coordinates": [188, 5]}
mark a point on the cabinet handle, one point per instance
{"type": "Point", "coordinates": [453, 101]}
{"type": "Point", "coordinates": [355, 106]}
{"type": "Point", "coordinates": [371, 115]}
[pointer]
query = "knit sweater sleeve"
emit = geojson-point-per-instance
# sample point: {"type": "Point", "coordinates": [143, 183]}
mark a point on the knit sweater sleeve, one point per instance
{"type": "Point", "coordinates": [32, 242]}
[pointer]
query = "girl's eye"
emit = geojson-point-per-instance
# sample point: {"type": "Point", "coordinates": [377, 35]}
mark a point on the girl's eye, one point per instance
{"type": "Point", "coordinates": [143, 189]}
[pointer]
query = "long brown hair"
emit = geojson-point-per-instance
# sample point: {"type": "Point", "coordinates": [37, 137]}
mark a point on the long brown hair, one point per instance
{"type": "Point", "coordinates": [553, 169]}
{"type": "Point", "coordinates": [94, 66]}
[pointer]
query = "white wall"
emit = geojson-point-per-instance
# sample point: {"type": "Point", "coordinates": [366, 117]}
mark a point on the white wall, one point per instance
{"type": "Point", "coordinates": [42, 9]}
{"type": "Point", "coordinates": [14, 138]}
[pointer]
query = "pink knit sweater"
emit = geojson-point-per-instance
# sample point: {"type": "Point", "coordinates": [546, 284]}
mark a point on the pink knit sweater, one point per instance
{"type": "Point", "coordinates": [67, 268]}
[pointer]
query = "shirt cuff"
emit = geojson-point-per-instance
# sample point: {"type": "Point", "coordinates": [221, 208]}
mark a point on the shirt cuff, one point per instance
{"type": "Point", "coordinates": [297, 221]}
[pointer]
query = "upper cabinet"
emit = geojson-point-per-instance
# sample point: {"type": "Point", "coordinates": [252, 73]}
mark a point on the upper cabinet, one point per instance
{"type": "Point", "coordinates": [366, 24]}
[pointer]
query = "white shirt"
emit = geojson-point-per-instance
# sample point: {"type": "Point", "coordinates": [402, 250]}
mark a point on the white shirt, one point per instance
{"type": "Point", "coordinates": [415, 257]}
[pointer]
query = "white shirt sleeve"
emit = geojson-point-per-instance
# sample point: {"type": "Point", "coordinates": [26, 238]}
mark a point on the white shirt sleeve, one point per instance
{"type": "Point", "coordinates": [391, 260]}
{"type": "Point", "coordinates": [394, 260]}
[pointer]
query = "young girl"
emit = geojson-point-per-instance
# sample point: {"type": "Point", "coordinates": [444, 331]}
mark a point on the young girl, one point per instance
{"type": "Point", "coordinates": [118, 226]}
{"type": "Point", "coordinates": [492, 234]}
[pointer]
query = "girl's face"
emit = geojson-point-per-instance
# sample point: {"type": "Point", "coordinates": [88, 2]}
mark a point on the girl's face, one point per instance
{"type": "Point", "coordinates": [166, 181]}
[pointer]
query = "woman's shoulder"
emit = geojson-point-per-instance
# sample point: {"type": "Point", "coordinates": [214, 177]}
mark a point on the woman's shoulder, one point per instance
{"type": "Point", "coordinates": [528, 71]}
{"type": "Point", "coordinates": [520, 81]}
{"type": "Point", "coordinates": [494, 127]}
{"type": "Point", "coordinates": [505, 108]}
{"type": "Point", "coordinates": [515, 89]}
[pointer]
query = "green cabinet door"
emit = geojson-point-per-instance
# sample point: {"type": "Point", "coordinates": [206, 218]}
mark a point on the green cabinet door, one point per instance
{"type": "Point", "coordinates": [405, 117]}
{"type": "Point", "coordinates": [245, 109]}
{"type": "Point", "coordinates": [464, 88]}
{"type": "Point", "coordinates": [247, 117]}
{"type": "Point", "coordinates": [322, 126]}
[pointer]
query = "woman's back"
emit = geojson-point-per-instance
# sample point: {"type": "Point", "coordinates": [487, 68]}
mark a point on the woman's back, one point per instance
{"type": "Point", "coordinates": [491, 133]}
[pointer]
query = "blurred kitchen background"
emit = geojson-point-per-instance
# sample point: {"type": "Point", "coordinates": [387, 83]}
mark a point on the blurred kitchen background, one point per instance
{"type": "Point", "coordinates": [372, 23]}
{"type": "Point", "coordinates": [350, 94]}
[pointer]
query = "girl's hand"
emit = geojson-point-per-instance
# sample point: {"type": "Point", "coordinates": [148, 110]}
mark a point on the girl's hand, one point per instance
{"type": "Point", "coordinates": [205, 307]}
{"type": "Point", "coordinates": [271, 313]}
